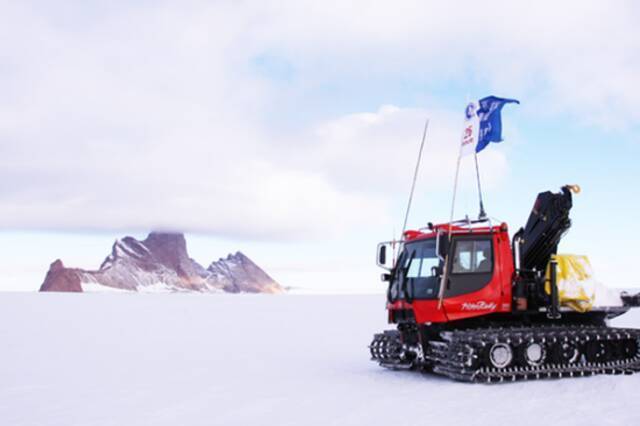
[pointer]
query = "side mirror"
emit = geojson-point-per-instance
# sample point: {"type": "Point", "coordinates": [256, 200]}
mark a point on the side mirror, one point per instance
{"type": "Point", "coordinates": [385, 277]}
{"type": "Point", "coordinates": [384, 255]}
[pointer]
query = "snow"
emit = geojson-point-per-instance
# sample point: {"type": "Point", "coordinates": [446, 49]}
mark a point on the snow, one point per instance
{"type": "Point", "coordinates": [93, 287]}
{"type": "Point", "coordinates": [119, 248]}
{"type": "Point", "coordinates": [157, 287]}
{"type": "Point", "coordinates": [605, 296]}
{"type": "Point", "coordinates": [579, 288]}
{"type": "Point", "coordinates": [203, 359]}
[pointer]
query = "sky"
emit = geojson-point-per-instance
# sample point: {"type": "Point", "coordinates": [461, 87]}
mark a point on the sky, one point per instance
{"type": "Point", "coordinates": [289, 130]}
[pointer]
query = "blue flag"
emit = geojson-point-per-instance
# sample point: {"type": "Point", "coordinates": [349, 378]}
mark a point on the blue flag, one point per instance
{"type": "Point", "coordinates": [490, 120]}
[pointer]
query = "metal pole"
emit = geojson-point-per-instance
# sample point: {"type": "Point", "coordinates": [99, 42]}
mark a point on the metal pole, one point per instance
{"type": "Point", "coordinates": [455, 189]}
{"type": "Point", "coordinates": [483, 214]}
{"type": "Point", "coordinates": [415, 177]}
{"type": "Point", "coordinates": [445, 271]}
{"type": "Point", "coordinates": [554, 312]}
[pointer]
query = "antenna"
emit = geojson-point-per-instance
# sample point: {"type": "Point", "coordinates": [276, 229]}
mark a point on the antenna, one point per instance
{"type": "Point", "coordinates": [415, 177]}
{"type": "Point", "coordinates": [482, 214]}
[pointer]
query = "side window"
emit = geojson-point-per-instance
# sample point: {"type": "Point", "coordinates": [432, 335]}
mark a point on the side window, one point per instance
{"type": "Point", "coordinates": [420, 266]}
{"type": "Point", "coordinates": [427, 264]}
{"type": "Point", "coordinates": [484, 256]}
{"type": "Point", "coordinates": [472, 256]}
{"type": "Point", "coordinates": [414, 268]}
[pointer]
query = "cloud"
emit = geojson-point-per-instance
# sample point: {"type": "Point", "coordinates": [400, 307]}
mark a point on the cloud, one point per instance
{"type": "Point", "coordinates": [375, 152]}
{"type": "Point", "coordinates": [147, 121]}
{"type": "Point", "coordinates": [152, 115]}
{"type": "Point", "coordinates": [570, 57]}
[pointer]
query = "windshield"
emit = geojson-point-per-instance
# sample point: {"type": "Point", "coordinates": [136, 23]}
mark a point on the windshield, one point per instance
{"type": "Point", "coordinates": [417, 273]}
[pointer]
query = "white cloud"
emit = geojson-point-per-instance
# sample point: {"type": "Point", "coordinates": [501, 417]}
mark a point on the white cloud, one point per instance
{"type": "Point", "coordinates": [570, 57]}
{"type": "Point", "coordinates": [150, 116]}
{"type": "Point", "coordinates": [375, 152]}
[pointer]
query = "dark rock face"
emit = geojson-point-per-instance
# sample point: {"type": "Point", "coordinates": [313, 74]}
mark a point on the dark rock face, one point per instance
{"type": "Point", "coordinates": [161, 263]}
{"type": "Point", "coordinates": [60, 278]}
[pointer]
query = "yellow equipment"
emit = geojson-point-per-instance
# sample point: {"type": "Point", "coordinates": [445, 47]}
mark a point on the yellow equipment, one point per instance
{"type": "Point", "coordinates": [576, 286]}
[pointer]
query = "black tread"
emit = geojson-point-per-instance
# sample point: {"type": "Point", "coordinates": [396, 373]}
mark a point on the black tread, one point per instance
{"type": "Point", "coordinates": [461, 355]}
{"type": "Point", "coordinates": [387, 349]}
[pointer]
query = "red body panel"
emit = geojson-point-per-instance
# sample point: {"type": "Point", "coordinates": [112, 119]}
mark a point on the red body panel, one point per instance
{"type": "Point", "coordinates": [493, 297]}
{"type": "Point", "coordinates": [427, 311]}
{"type": "Point", "coordinates": [496, 295]}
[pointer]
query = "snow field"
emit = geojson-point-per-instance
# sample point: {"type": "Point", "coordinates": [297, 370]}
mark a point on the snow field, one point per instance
{"type": "Point", "coordinates": [215, 359]}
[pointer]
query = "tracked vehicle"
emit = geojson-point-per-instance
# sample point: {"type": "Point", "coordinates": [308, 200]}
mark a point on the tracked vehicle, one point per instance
{"type": "Point", "coordinates": [475, 305]}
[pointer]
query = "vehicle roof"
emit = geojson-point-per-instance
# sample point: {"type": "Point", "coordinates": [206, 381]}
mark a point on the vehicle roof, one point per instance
{"type": "Point", "coordinates": [446, 228]}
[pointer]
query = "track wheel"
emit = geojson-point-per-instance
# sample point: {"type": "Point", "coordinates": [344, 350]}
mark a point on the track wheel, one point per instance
{"type": "Point", "coordinates": [534, 353]}
{"type": "Point", "coordinates": [500, 355]}
{"type": "Point", "coordinates": [569, 353]}
{"type": "Point", "coordinates": [597, 351]}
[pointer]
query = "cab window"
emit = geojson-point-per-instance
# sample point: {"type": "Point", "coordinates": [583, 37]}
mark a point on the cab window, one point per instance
{"type": "Point", "coordinates": [471, 263]}
{"type": "Point", "coordinates": [421, 267]}
{"type": "Point", "coordinates": [472, 257]}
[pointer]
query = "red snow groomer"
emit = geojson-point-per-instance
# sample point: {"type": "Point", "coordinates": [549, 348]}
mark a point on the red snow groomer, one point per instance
{"type": "Point", "coordinates": [474, 305]}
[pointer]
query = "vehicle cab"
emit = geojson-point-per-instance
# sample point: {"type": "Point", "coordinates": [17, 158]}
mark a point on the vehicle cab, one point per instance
{"type": "Point", "coordinates": [448, 272]}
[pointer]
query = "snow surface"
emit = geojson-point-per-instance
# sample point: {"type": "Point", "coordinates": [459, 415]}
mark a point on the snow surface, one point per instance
{"type": "Point", "coordinates": [157, 287]}
{"type": "Point", "coordinates": [203, 359]}
{"type": "Point", "coordinates": [93, 287]}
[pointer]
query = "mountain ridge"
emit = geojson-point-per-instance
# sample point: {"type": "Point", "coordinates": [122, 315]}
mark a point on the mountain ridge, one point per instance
{"type": "Point", "coordinates": [161, 262]}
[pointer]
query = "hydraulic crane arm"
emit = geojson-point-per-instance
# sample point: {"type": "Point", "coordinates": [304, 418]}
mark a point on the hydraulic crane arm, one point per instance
{"type": "Point", "coordinates": [548, 222]}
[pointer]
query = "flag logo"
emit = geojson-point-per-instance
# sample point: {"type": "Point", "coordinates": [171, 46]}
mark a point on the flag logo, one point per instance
{"type": "Point", "coordinates": [490, 120]}
{"type": "Point", "coordinates": [470, 112]}
{"type": "Point", "coordinates": [482, 124]}
{"type": "Point", "coordinates": [469, 134]}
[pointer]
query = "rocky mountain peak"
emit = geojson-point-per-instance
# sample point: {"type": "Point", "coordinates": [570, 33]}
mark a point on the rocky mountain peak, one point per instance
{"type": "Point", "coordinates": [242, 274]}
{"type": "Point", "coordinates": [56, 266]}
{"type": "Point", "coordinates": [60, 278]}
{"type": "Point", "coordinates": [239, 256]}
{"type": "Point", "coordinates": [123, 248]}
{"type": "Point", "coordinates": [166, 243]}
{"type": "Point", "coordinates": [161, 262]}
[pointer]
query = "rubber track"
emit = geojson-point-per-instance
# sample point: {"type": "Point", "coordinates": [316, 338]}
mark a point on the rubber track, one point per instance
{"type": "Point", "coordinates": [386, 348]}
{"type": "Point", "coordinates": [462, 355]}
